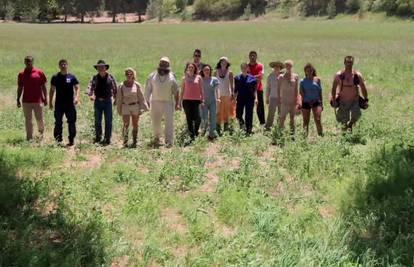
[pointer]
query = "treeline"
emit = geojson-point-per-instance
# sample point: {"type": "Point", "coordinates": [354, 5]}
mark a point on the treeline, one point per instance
{"type": "Point", "coordinates": [48, 10]}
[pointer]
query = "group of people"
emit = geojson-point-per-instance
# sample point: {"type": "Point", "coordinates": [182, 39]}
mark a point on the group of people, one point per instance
{"type": "Point", "coordinates": [211, 98]}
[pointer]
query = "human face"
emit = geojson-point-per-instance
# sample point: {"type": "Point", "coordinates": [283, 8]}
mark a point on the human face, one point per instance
{"type": "Point", "coordinates": [197, 57]}
{"type": "Point", "coordinates": [223, 64]}
{"type": "Point", "coordinates": [63, 67]}
{"type": "Point", "coordinates": [101, 69]}
{"type": "Point", "coordinates": [253, 58]}
{"type": "Point", "coordinates": [190, 70]}
{"type": "Point", "coordinates": [244, 69]}
{"type": "Point", "coordinates": [164, 65]}
{"type": "Point", "coordinates": [206, 71]}
{"type": "Point", "coordinates": [309, 72]}
{"type": "Point", "coordinates": [289, 66]}
{"type": "Point", "coordinates": [28, 63]}
{"type": "Point", "coordinates": [129, 75]}
{"type": "Point", "coordinates": [276, 69]}
{"type": "Point", "coordinates": [349, 63]}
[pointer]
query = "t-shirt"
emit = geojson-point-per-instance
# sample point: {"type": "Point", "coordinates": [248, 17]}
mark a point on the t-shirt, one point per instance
{"type": "Point", "coordinates": [257, 69]}
{"type": "Point", "coordinates": [310, 89]}
{"type": "Point", "coordinates": [32, 82]}
{"type": "Point", "coordinates": [345, 80]}
{"type": "Point", "coordinates": [193, 88]}
{"type": "Point", "coordinates": [210, 86]}
{"type": "Point", "coordinates": [245, 87]}
{"type": "Point", "coordinates": [64, 85]}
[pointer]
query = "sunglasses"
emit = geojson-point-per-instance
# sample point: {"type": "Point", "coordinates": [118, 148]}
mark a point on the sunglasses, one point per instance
{"type": "Point", "coordinates": [197, 55]}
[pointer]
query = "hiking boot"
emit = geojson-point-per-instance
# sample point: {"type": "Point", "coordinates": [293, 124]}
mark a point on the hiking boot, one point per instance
{"type": "Point", "coordinates": [134, 138]}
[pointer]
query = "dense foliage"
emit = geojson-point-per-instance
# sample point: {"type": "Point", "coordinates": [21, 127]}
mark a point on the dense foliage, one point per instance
{"type": "Point", "coordinates": [47, 10]}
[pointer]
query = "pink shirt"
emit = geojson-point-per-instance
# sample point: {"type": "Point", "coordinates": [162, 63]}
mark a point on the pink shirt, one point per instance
{"type": "Point", "coordinates": [193, 88]}
{"type": "Point", "coordinates": [348, 91]}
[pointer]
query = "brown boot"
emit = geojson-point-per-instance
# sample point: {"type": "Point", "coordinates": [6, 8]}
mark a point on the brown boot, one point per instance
{"type": "Point", "coordinates": [134, 137]}
{"type": "Point", "coordinates": [125, 136]}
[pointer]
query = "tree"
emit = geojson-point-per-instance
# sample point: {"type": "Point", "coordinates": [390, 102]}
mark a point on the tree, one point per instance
{"type": "Point", "coordinates": [331, 9]}
{"type": "Point", "coordinates": [82, 7]}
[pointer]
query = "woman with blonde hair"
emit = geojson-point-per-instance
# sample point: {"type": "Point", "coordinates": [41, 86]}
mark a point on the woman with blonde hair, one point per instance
{"type": "Point", "coordinates": [130, 105]}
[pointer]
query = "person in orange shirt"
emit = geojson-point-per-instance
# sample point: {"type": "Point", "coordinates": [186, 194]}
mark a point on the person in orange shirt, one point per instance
{"type": "Point", "coordinates": [345, 95]}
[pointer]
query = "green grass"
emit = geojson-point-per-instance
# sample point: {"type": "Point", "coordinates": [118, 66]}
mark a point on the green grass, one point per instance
{"type": "Point", "coordinates": [340, 200]}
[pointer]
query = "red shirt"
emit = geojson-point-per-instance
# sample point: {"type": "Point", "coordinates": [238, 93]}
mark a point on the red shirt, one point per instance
{"type": "Point", "coordinates": [32, 82]}
{"type": "Point", "coordinates": [257, 69]}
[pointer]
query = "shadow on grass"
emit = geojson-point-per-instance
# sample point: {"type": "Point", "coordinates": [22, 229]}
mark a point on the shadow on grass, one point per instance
{"type": "Point", "coordinates": [381, 214]}
{"type": "Point", "coordinates": [31, 237]}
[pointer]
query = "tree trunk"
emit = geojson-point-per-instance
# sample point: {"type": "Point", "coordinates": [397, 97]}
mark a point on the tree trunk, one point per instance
{"type": "Point", "coordinates": [66, 18]}
{"type": "Point", "coordinates": [82, 17]}
{"type": "Point", "coordinates": [113, 17]}
{"type": "Point", "coordinates": [139, 18]}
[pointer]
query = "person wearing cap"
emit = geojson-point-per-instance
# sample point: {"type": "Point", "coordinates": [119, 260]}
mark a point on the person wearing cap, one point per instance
{"type": "Point", "coordinates": [345, 95]}
{"type": "Point", "coordinates": [311, 92]}
{"type": "Point", "coordinates": [31, 83]}
{"type": "Point", "coordinates": [102, 89]}
{"type": "Point", "coordinates": [67, 89]}
{"type": "Point", "coordinates": [130, 103]}
{"type": "Point", "coordinates": [211, 94]}
{"type": "Point", "coordinates": [226, 87]}
{"type": "Point", "coordinates": [197, 60]}
{"type": "Point", "coordinates": [162, 96]}
{"type": "Point", "coordinates": [245, 90]}
{"type": "Point", "coordinates": [272, 94]}
{"type": "Point", "coordinates": [257, 70]}
{"type": "Point", "coordinates": [288, 86]}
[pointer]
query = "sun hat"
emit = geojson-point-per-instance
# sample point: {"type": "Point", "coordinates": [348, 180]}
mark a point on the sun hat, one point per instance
{"type": "Point", "coordinates": [101, 62]}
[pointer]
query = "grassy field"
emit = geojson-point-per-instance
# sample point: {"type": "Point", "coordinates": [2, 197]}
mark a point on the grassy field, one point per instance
{"type": "Point", "coordinates": [340, 200]}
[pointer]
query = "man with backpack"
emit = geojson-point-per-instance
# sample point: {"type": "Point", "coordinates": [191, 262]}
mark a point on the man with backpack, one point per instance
{"type": "Point", "coordinates": [345, 95]}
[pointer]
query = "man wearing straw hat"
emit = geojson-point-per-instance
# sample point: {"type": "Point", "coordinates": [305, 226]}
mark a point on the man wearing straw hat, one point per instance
{"type": "Point", "coordinates": [271, 93]}
{"type": "Point", "coordinates": [102, 89]}
{"type": "Point", "coordinates": [162, 96]}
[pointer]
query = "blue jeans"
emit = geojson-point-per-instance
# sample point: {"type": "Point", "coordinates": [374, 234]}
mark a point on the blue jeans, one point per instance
{"type": "Point", "coordinates": [209, 109]}
{"type": "Point", "coordinates": [70, 112]}
{"type": "Point", "coordinates": [103, 107]}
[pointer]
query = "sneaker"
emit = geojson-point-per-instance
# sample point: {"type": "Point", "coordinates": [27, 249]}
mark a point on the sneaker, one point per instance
{"type": "Point", "coordinates": [106, 142]}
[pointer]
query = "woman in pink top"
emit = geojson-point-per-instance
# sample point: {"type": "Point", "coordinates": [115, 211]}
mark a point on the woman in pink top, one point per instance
{"type": "Point", "coordinates": [288, 95]}
{"type": "Point", "coordinates": [191, 98]}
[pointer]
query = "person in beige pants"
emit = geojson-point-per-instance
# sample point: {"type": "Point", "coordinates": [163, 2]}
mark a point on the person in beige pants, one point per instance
{"type": "Point", "coordinates": [31, 83]}
{"type": "Point", "coordinates": [162, 96]}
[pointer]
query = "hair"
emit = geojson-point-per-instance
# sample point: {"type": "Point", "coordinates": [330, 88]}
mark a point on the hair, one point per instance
{"type": "Point", "coordinates": [244, 64]}
{"type": "Point", "coordinates": [131, 70]}
{"type": "Point", "coordinates": [348, 57]}
{"type": "Point", "coordinates": [289, 62]}
{"type": "Point", "coordinates": [252, 52]}
{"type": "Point", "coordinates": [310, 66]}
{"type": "Point", "coordinates": [202, 71]}
{"type": "Point", "coordinates": [30, 58]}
{"type": "Point", "coordinates": [63, 61]}
{"type": "Point", "coordinates": [198, 51]}
{"type": "Point", "coordinates": [188, 64]}
{"type": "Point", "coordinates": [218, 66]}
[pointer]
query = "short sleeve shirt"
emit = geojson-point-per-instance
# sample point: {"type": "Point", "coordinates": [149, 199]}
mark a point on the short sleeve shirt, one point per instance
{"type": "Point", "coordinates": [32, 82]}
{"type": "Point", "coordinates": [310, 89]}
{"type": "Point", "coordinates": [245, 87]}
{"type": "Point", "coordinates": [348, 91]}
{"type": "Point", "coordinates": [257, 69]}
{"type": "Point", "coordinates": [64, 85]}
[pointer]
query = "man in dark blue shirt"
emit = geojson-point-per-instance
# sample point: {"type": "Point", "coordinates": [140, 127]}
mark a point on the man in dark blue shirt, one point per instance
{"type": "Point", "coordinates": [245, 90]}
{"type": "Point", "coordinates": [67, 91]}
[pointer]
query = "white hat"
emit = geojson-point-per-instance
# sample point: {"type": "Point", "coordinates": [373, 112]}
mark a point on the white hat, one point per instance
{"type": "Point", "coordinates": [165, 59]}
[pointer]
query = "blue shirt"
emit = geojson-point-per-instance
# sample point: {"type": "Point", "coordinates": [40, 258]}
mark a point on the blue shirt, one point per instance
{"type": "Point", "coordinates": [209, 89]}
{"type": "Point", "coordinates": [245, 87]}
{"type": "Point", "coordinates": [310, 89]}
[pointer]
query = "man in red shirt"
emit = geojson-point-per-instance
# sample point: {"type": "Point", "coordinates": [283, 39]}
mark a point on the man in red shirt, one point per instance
{"type": "Point", "coordinates": [31, 83]}
{"type": "Point", "coordinates": [256, 69]}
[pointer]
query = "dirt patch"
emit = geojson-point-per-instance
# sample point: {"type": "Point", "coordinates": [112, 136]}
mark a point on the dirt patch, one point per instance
{"type": "Point", "coordinates": [88, 161]}
{"type": "Point", "coordinates": [327, 212]}
{"type": "Point", "coordinates": [211, 184]}
{"type": "Point", "coordinates": [174, 221]}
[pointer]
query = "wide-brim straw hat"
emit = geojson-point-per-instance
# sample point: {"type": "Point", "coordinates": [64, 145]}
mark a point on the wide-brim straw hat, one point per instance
{"type": "Point", "coordinates": [101, 63]}
{"type": "Point", "coordinates": [279, 64]}
{"type": "Point", "coordinates": [167, 60]}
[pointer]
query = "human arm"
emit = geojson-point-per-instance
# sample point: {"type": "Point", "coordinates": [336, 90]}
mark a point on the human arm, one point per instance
{"type": "Point", "coordinates": [51, 94]}
{"type": "Point", "coordinates": [19, 91]}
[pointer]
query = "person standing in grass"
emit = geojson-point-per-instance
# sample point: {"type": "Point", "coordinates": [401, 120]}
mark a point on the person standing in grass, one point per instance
{"type": "Point", "coordinates": [102, 89]}
{"type": "Point", "coordinates": [31, 83]}
{"type": "Point", "coordinates": [191, 98]}
{"type": "Point", "coordinates": [272, 94]}
{"type": "Point", "coordinates": [288, 95]}
{"type": "Point", "coordinates": [131, 104]}
{"type": "Point", "coordinates": [257, 70]}
{"type": "Point", "coordinates": [311, 93]}
{"type": "Point", "coordinates": [226, 86]}
{"type": "Point", "coordinates": [345, 95]}
{"type": "Point", "coordinates": [211, 98]}
{"type": "Point", "coordinates": [162, 95]}
{"type": "Point", "coordinates": [245, 91]}
{"type": "Point", "coordinates": [67, 89]}
{"type": "Point", "coordinates": [197, 60]}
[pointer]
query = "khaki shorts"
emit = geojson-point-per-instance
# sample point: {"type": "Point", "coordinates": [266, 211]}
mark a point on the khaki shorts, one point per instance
{"type": "Point", "coordinates": [130, 110]}
{"type": "Point", "coordinates": [286, 109]}
{"type": "Point", "coordinates": [348, 112]}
